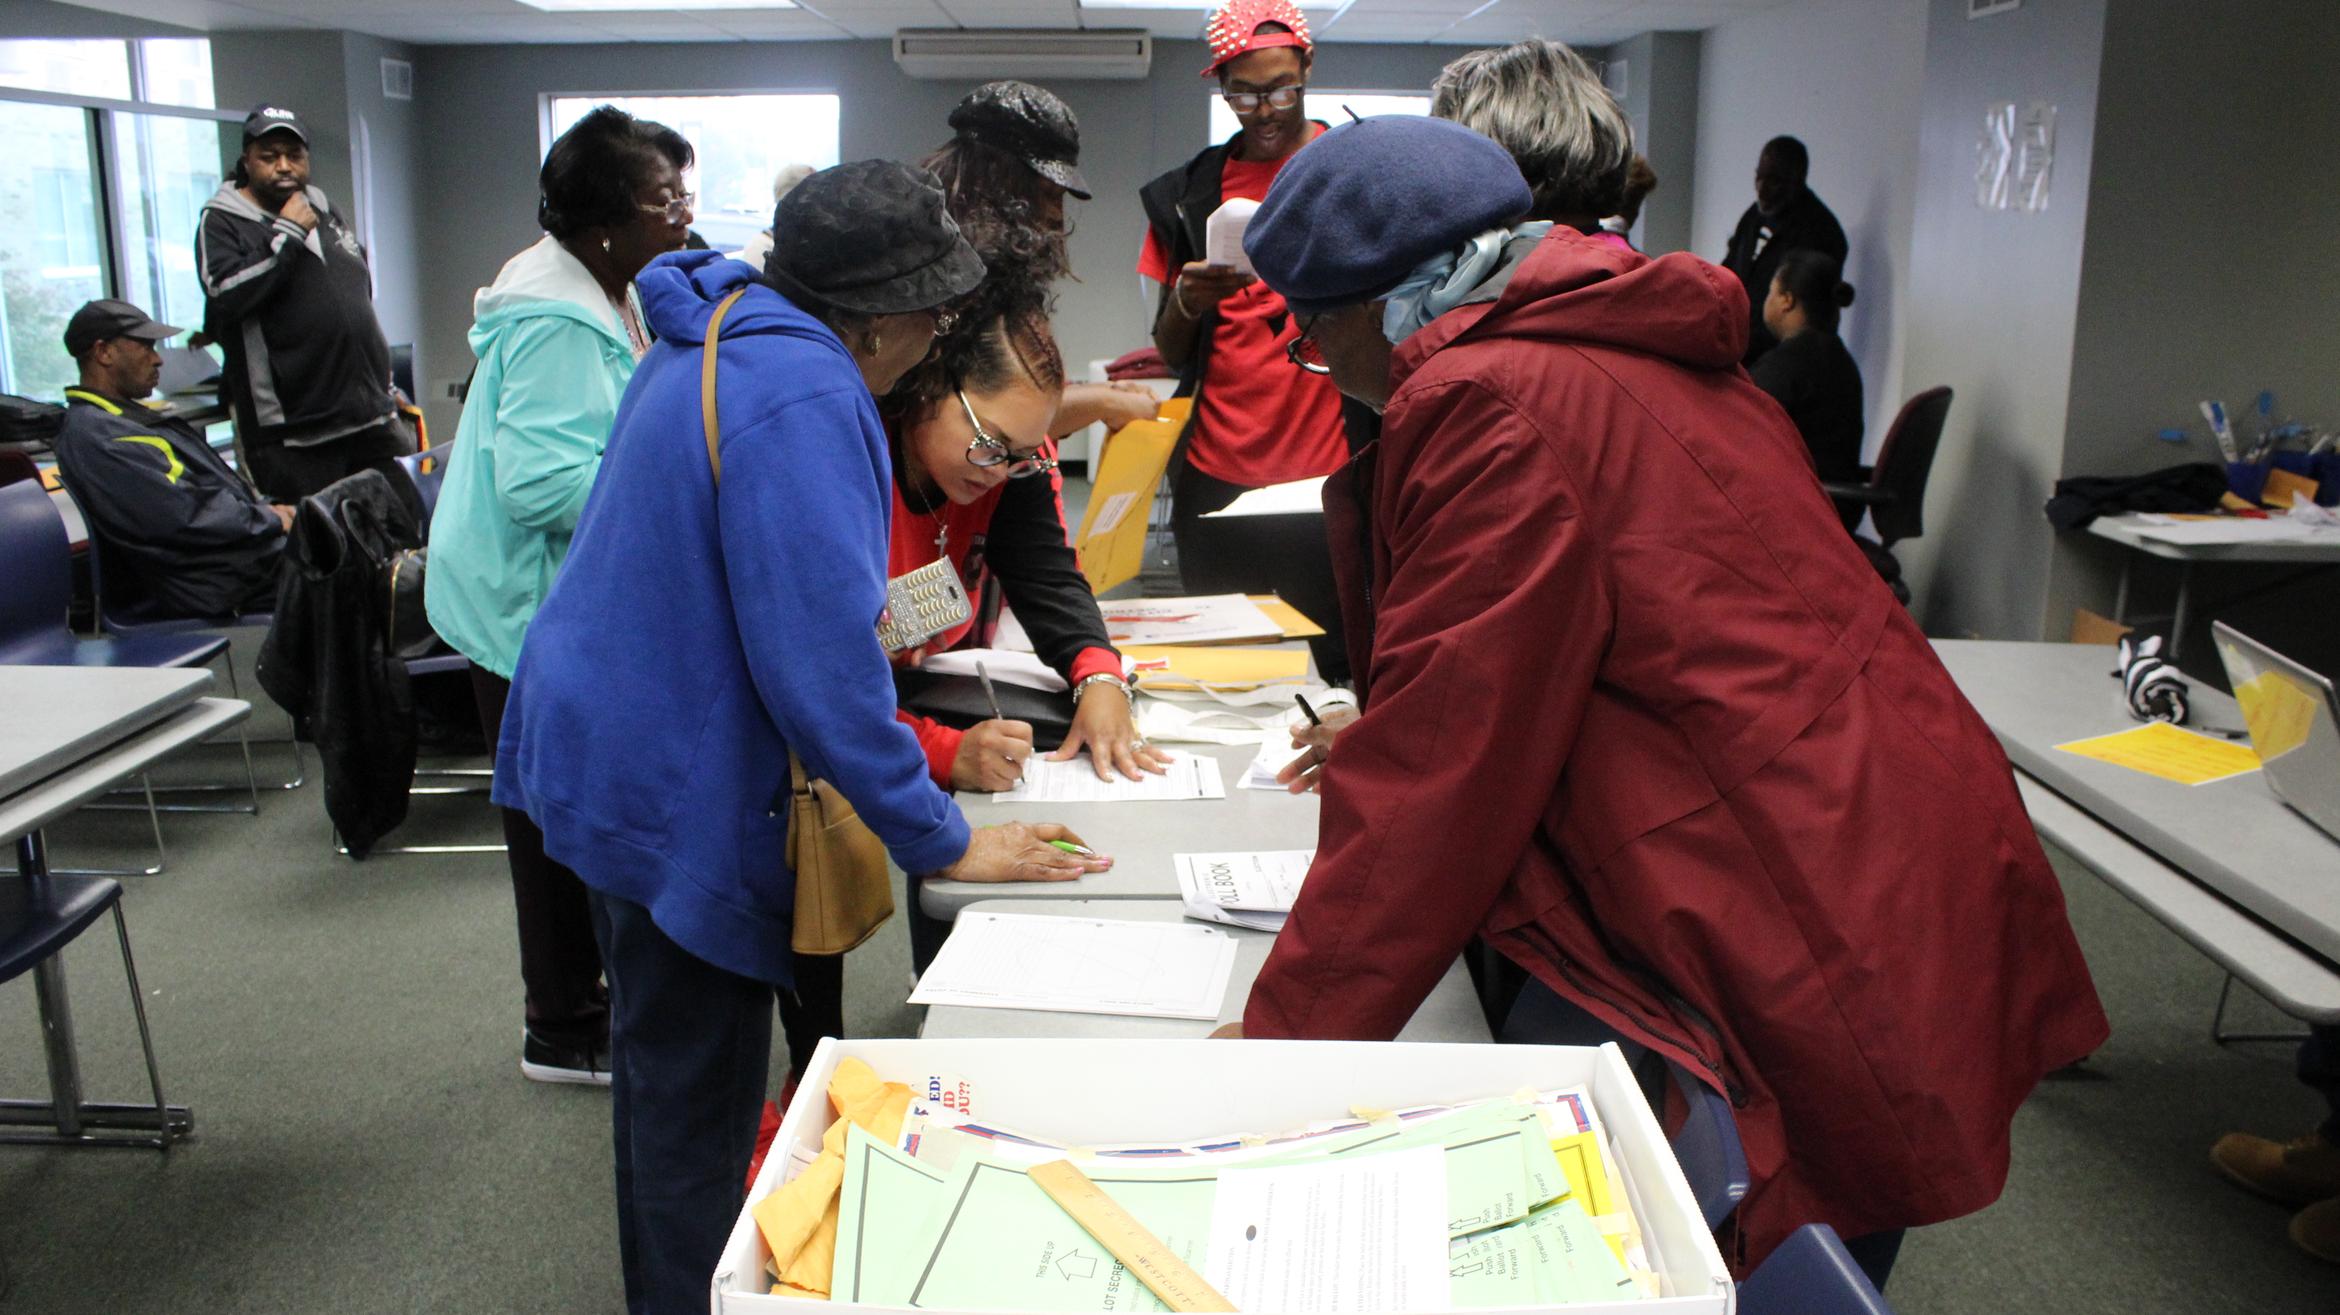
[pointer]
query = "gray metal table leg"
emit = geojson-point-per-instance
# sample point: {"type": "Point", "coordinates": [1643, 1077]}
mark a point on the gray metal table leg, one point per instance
{"type": "Point", "coordinates": [56, 1010]}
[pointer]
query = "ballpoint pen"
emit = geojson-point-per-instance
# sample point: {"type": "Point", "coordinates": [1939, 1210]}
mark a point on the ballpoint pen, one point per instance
{"type": "Point", "coordinates": [1070, 848]}
{"type": "Point", "coordinates": [1307, 711]}
{"type": "Point", "coordinates": [990, 695]}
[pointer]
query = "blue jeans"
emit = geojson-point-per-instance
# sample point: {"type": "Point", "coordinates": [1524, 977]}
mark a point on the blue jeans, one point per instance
{"type": "Point", "coordinates": [690, 1059]}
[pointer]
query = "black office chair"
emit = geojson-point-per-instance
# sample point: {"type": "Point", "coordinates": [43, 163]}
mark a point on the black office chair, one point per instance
{"type": "Point", "coordinates": [39, 915]}
{"type": "Point", "coordinates": [1895, 493]}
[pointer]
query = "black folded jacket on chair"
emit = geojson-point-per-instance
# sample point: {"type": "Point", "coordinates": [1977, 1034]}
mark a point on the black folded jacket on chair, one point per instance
{"type": "Point", "coordinates": [959, 701]}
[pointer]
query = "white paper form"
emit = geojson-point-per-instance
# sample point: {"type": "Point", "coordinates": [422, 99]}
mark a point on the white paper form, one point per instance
{"type": "Point", "coordinates": [1253, 890]}
{"type": "Point", "coordinates": [1074, 781]}
{"type": "Point", "coordinates": [1299, 498]}
{"type": "Point", "coordinates": [1361, 1235]}
{"type": "Point", "coordinates": [2238, 529]}
{"type": "Point", "coordinates": [1080, 966]}
{"type": "Point", "coordinates": [1275, 754]}
{"type": "Point", "coordinates": [1204, 619]}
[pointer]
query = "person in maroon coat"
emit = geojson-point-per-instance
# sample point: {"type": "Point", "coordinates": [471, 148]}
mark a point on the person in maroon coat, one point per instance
{"type": "Point", "coordinates": [1637, 711]}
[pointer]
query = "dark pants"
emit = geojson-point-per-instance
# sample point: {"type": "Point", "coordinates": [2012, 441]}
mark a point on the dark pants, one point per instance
{"type": "Point", "coordinates": [2319, 1067]}
{"type": "Point", "coordinates": [289, 474]}
{"type": "Point", "coordinates": [1539, 1017]}
{"type": "Point", "coordinates": [560, 965]}
{"type": "Point", "coordinates": [690, 1052]}
{"type": "Point", "coordinates": [1286, 555]}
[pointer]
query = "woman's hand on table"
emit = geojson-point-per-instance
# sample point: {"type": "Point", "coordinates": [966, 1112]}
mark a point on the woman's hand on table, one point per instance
{"type": "Point", "coordinates": [1102, 724]}
{"type": "Point", "coordinates": [1306, 772]}
{"type": "Point", "coordinates": [1021, 851]}
{"type": "Point", "coordinates": [991, 756]}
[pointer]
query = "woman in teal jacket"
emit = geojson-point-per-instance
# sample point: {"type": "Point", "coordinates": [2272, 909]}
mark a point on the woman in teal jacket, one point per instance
{"type": "Point", "coordinates": [557, 336]}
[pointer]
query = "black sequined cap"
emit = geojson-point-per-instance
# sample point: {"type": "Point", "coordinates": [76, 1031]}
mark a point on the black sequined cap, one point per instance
{"type": "Point", "coordinates": [1030, 123]}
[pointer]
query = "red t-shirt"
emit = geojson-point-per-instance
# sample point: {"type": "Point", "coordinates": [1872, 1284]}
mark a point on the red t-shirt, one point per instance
{"type": "Point", "coordinates": [1262, 420]}
{"type": "Point", "coordinates": [910, 545]}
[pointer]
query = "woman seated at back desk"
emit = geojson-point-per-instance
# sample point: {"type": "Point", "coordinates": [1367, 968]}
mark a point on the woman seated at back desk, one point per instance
{"type": "Point", "coordinates": [1810, 373]}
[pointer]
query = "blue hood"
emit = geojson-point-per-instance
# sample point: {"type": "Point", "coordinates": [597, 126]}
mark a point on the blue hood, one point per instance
{"type": "Point", "coordinates": [681, 288]}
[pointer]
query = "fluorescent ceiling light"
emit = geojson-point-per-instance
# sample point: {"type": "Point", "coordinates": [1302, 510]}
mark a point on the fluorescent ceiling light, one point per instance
{"type": "Point", "coordinates": [1187, 4]}
{"type": "Point", "coordinates": [653, 6]}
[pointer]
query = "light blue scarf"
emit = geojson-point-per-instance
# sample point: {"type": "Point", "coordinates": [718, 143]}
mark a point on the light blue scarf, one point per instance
{"type": "Point", "coordinates": [1448, 279]}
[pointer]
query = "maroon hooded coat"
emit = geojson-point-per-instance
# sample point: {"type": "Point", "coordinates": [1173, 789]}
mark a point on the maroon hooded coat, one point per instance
{"type": "Point", "coordinates": [1638, 711]}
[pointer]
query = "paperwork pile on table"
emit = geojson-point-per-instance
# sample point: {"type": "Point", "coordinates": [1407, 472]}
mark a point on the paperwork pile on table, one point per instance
{"type": "Point", "coordinates": [1243, 890]}
{"type": "Point", "coordinates": [1497, 1202]}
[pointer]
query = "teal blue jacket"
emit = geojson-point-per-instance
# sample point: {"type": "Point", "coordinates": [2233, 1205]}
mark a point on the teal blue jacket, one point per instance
{"type": "Point", "coordinates": [553, 362]}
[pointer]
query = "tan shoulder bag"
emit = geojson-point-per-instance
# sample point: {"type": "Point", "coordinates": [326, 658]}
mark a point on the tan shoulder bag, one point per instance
{"type": "Point", "coordinates": [844, 891]}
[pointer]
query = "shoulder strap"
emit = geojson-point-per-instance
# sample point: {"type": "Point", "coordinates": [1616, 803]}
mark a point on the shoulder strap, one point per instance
{"type": "Point", "coordinates": [707, 382]}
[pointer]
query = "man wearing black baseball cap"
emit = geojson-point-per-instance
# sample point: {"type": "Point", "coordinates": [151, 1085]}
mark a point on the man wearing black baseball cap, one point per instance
{"type": "Point", "coordinates": [290, 298]}
{"type": "Point", "coordinates": [184, 535]}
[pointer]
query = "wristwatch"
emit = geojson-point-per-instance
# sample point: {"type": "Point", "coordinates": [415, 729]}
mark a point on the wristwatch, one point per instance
{"type": "Point", "coordinates": [1101, 678]}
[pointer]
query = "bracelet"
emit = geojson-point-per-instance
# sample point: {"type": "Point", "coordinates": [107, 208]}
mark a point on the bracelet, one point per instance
{"type": "Point", "coordinates": [1101, 678]}
{"type": "Point", "coordinates": [1178, 294]}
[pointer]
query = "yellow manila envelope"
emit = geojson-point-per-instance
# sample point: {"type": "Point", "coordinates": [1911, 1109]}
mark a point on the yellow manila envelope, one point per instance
{"type": "Point", "coordinates": [2281, 484]}
{"type": "Point", "coordinates": [1296, 625]}
{"type": "Point", "coordinates": [1228, 667]}
{"type": "Point", "coordinates": [1112, 539]}
{"type": "Point", "coordinates": [2160, 749]}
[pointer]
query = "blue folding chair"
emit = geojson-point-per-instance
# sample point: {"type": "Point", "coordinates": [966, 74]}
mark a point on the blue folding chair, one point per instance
{"type": "Point", "coordinates": [1707, 1146]}
{"type": "Point", "coordinates": [1810, 1274]}
{"type": "Point", "coordinates": [36, 557]}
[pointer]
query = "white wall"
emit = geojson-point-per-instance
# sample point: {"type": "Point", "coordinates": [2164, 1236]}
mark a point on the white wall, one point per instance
{"type": "Point", "coordinates": [1846, 77]}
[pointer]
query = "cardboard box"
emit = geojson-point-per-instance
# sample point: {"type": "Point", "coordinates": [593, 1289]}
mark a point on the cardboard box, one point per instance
{"type": "Point", "coordinates": [1085, 1089]}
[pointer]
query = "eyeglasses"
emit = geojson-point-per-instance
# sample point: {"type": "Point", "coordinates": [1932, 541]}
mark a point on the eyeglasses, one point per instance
{"type": "Point", "coordinates": [1277, 98]}
{"type": "Point", "coordinates": [989, 451]}
{"type": "Point", "coordinates": [676, 211]}
{"type": "Point", "coordinates": [1303, 351]}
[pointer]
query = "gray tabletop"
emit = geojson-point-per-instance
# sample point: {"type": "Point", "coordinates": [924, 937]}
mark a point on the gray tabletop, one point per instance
{"type": "Point", "coordinates": [2123, 530]}
{"type": "Point", "coordinates": [58, 716]}
{"type": "Point", "coordinates": [1142, 837]}
{"type": "Point", "coordinates": [42, 802]}
{"type": "Point", "coordinates": [2233, 836]}
{"type": "Point", "coordinates": [1450, 1014]}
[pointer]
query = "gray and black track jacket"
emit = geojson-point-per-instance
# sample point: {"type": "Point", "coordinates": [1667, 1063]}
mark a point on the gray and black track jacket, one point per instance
{"type": "Point", "coordinates": [294, 311]}
{"type": "Point", "coordinates": [182, 533]}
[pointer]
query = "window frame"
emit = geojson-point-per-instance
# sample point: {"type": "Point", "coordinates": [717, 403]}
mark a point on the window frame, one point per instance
{"type": "Point", "coordinates": [105, 145]}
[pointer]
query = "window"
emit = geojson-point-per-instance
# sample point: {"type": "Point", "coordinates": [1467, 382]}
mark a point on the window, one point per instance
{"type": "Point", "coordinates": [1327, 104]}
{"type": "Point", "coordinates": [104, 195]}
{"type": "Point", "coordinates": [743, 141]}
{"type": "Point", "coordinates": [50, 198]}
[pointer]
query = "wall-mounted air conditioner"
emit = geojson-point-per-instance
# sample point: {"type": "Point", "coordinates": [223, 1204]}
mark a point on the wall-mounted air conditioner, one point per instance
{"type": "Point", "coordinates": [952, 53]}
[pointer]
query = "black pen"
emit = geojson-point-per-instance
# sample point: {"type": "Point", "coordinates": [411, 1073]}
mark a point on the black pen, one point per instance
{"type": "Point", "coordinates": [1309, 712]}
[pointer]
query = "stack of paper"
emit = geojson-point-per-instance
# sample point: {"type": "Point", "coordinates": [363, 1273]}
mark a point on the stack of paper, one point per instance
{"type": "Point", "coordinates": [1448, 1207]}
{"type": "Point", "coordinates": [1243, 890]}
{"type": "Point", "coordinates": [1080, 966]}
{"type": "Point", "coordinates": [1207, 619]}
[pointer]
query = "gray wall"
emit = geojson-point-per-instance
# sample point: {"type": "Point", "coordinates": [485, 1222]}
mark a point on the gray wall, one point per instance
{"type": "Point", "coordinates": [478, 107]}
{"type": "Point", "coordinates": [2213, 257]}
{"type": "Point", "coordinates": [1846, 77]}
{"type": "Point", "coordinates": [1994, 297]}
{"type": "Point", "coordinates": [1661, 97]}
{"type": "Point", "coordinates": [44, 18]}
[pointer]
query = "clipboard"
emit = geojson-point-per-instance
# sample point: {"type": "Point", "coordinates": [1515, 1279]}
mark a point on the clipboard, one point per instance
{"type": "Point", "coordinates": [1112, 539]}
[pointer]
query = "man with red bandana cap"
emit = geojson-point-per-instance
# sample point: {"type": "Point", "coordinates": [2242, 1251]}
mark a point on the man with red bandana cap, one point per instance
{"type": "Point", "coordinates": [1257, 420]}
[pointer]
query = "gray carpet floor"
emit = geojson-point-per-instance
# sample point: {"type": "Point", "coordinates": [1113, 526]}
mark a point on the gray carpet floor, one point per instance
{"type": "Point", "coordinates": [348, 1036]}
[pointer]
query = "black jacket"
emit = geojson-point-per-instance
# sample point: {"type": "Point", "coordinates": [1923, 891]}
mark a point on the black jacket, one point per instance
{"type": "Point", "coordinates": [1178, 207]}
{"type": "Point", "coordinates": [1804, 224]}
{"type": "Point", "coordinates": [327, 659]}
{"type": "Point", "coordinates": [183, 534]}
{"type": "Point", "coordinates": [1819, 383]}
{"type": "Point", "coordinates": [294, 311]}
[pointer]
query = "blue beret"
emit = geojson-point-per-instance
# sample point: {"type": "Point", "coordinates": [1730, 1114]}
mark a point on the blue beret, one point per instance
{"type": "Point", "coordinates": [1357, 209]}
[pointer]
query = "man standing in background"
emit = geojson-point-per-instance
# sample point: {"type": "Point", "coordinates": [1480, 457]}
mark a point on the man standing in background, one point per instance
{"type": "Point", "coordinates": [1257, 419]}
{"type": "Point", "coordinates": [289, 297]}
{"type": "Point", "coordinates": [1786, 217]}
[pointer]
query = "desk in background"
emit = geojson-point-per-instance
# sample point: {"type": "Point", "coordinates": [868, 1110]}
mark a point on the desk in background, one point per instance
{"type": "Point", "coordinates": [2226, 865]}
{"type": "Point", "coordinates": [2123, 530]}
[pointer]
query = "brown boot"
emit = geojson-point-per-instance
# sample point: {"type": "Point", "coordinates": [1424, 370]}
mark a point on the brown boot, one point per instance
{"type": "Point", "coordinates": [2299, 1172]}
{"type": "Point", "coordinates": [2316, 1230]}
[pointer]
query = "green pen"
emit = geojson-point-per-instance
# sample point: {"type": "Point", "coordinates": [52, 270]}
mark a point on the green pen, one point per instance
{"type": "Point", "coordinates": [1070, 848]}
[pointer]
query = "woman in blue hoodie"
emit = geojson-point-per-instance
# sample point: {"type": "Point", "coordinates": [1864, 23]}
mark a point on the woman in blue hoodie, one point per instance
{"type": "Point", "coordinates": [703, 629]}
{"type": "Point", "coordinates": [557, 336]}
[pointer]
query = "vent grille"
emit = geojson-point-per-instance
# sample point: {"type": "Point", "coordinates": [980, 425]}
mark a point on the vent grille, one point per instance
{"type": "Point", "coordinates": [397, 80]}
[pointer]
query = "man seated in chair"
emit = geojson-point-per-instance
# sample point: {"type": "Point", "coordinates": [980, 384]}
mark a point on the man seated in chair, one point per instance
{"type": "Point", "coordinates": [185, 534]}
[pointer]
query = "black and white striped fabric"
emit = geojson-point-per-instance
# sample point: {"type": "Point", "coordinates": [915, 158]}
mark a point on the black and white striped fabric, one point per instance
{"type": "Point", "coordinates": [2154, 689]}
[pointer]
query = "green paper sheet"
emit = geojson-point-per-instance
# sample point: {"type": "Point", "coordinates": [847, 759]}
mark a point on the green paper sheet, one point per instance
{"type": "Point", "coordinates": [998, 1242]}
{"type": "Point", "coordinates": [1556, 1257]}
{"type": "Point", "coordinates": [1499, 1163]}
{"type": "Point", "coordinates": [882, 1214]}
